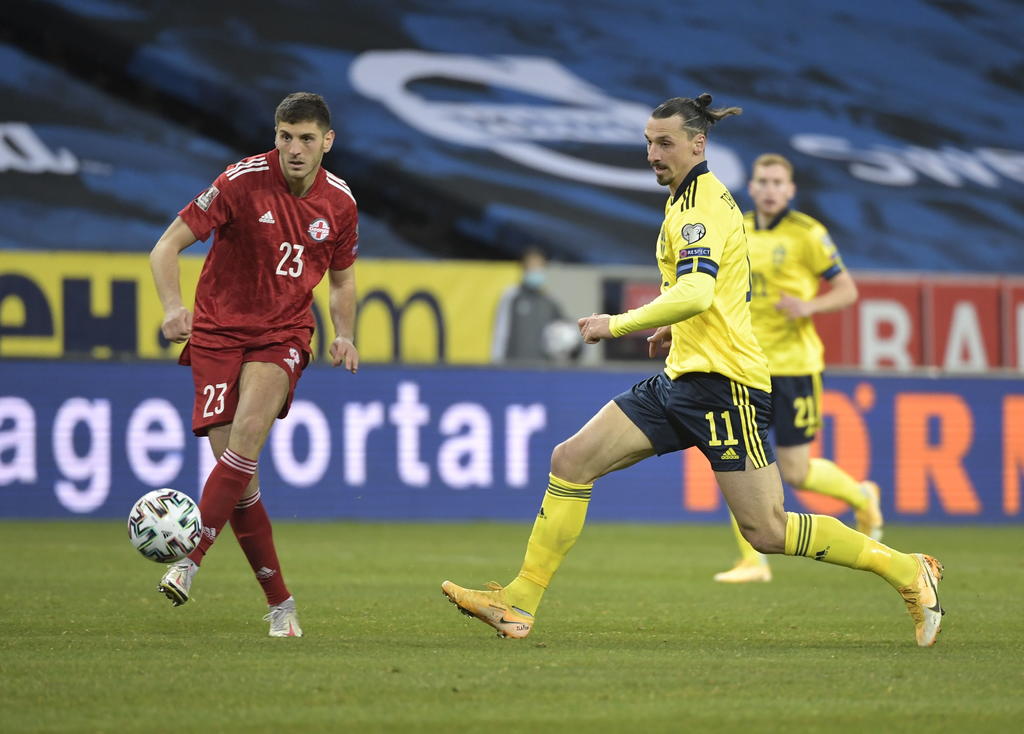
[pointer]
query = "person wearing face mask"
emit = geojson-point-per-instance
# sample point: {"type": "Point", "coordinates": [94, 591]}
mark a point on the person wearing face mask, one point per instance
{"type": "Point", "coordinates": [529, 325]}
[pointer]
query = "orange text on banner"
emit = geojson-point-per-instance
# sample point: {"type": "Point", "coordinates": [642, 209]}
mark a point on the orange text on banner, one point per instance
{"type": "Point", "coordinates": [919, 461]}
{"type": "Point", "coordinates": [700, 490]}
{"type": "Point", "coordinates": [1013, 452]}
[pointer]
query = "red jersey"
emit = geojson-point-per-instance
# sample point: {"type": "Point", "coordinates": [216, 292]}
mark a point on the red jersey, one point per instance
{"type": "Point", "coordinates": [269, 251]}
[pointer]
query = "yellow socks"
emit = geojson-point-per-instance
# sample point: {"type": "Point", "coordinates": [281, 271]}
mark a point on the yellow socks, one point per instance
{"type": "Point", "coordinates": [824, 477]}
{"type": "Point", "coordinates": [824, 538]}
{"type": "Point", "coordinates": [558, 525]}
{"type": "Point", "coordinates": [747, 552]}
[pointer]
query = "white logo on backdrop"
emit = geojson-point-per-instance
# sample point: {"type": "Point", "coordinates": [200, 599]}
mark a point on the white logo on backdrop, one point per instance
{"type": "Point", "coordinates": [522, 132]}
{"type": "Point", "coordinates": [906, 165]}
{"type": "Point", "coordinates": [22, 150]}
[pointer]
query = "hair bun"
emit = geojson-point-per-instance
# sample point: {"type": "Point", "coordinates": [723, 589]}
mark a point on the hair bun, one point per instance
{"type": "Point", "coordinates": [703, 101]}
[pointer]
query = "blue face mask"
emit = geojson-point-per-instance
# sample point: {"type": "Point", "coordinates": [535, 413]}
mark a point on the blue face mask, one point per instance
{"type": "Point", "coordinates": [533, 279]}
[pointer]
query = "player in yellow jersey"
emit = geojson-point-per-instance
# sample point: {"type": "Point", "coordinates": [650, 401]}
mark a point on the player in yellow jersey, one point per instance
{"type": "Point", "coordinates": [790, 253]}
{"type": "Point", "coordinates": [713, 394]}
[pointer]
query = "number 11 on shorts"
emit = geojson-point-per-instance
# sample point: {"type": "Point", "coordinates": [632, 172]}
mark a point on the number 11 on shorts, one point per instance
{"type": "Point", "coordinates": [715, 441]}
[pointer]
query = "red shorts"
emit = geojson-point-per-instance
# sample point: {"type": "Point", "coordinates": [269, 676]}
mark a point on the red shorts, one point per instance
{"type": "Point", "coordinates": [215, 372]}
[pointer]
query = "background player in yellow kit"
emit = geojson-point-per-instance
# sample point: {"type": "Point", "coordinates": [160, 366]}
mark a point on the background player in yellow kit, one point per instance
{"type": "Point", "coordinates": [790, 254]}
{"type": "Point", "coordinates": [713, 394]}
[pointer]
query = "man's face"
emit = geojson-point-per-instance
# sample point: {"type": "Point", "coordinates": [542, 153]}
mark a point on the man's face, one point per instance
{"type": "Point", "coordinates": [670, 150]}
{"type": "Point", "coordinates": [302, 146]}
{"type": "Point", "coordinates": [772, 188]}
{"type": "Point", "coordinates": [534, 261]}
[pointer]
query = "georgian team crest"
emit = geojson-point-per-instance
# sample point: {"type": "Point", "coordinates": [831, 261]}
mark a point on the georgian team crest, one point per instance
{"type": "Point", "coordinates": [319, 229]}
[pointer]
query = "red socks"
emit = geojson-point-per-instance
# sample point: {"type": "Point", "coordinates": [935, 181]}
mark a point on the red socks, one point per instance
{"type": "Point", "coordinates": [225, 485]}
{"type": "Point", "coordinates": [220, 503]}
{"type": "Point", "coordinates": [252, 528]}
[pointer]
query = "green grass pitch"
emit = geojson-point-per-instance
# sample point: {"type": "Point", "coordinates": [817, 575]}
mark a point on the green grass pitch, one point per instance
{"type": "Point", "coordinates": [633, 636]}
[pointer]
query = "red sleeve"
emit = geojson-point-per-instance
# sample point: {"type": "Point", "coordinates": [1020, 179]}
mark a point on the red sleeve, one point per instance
{"type": "Point", "coordinates": [347, 250]}
{"type": "Point", "coordinates": [209, 210]}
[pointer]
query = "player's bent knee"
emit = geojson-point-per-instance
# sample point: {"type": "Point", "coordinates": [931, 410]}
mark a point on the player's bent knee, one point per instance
{"type": "Point", "coordinates": [793, 477]}
{"type": "Point", "coordinates": [792, 469]}
{"type": "Point", "coordinates": [567, 463]}
{"type": "Point", "coordinates": [248, 436]}
{"type": "Point", "coordinates": [562, 460]}
{"type": "Point", "coordinates": [764, 542]}
{"type": "Point", "coordinates": [767, 537]}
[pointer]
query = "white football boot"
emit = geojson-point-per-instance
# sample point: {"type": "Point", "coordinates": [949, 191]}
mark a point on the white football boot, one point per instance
{"type": "Point", "coordinates": [177, 581]}
{"type": "Point", "coordinates": [284, 622]}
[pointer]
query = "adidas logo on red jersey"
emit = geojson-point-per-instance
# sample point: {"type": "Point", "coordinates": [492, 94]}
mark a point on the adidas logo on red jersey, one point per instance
{"type": "Point", "coordinates": [268, 218]}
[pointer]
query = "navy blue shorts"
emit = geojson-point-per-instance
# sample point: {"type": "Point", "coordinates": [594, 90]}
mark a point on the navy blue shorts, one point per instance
{"type": "Point", "coordinates": [727, 421]}
{"type": "Point", "coordinates": [796, 409]}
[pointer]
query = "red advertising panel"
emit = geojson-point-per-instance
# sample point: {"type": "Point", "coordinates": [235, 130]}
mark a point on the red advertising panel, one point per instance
{"type": "Point", "coordinates": [887, 320]}
{"type": "Point", "coordinates": [1013, 323]}
{"type": "Point", "coordinates": [973, 323]}
{"type": "Point", "coordinates": [636, 294]}
{"type": "Point", "coordinates": [962, 331]}
{"type": "Point", "coordinates": [838, 333]}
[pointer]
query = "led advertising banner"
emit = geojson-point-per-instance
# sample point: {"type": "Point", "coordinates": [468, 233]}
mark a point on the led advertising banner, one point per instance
{"type": "Point", "coordinates": [86, 439]}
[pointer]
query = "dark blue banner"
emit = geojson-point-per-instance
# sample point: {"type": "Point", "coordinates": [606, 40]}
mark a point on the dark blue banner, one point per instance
{"type": "Point", "coordinates": [437, 444]}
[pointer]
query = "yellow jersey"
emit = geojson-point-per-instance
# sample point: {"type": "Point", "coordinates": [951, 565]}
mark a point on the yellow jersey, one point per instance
{"type": "Point", "coordinates": [703, 233]}
{"type": "Point", "coordinates": [791, 255]}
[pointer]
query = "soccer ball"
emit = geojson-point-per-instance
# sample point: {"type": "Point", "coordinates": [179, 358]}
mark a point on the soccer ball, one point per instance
{"type": "Point", "coordinates": [165, 525]}
{"type": "Point", "coordinates": [560, 339]}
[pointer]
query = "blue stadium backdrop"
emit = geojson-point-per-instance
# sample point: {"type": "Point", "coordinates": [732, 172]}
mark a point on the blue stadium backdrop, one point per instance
{"type": "Point", "coordinates": [512, 122]}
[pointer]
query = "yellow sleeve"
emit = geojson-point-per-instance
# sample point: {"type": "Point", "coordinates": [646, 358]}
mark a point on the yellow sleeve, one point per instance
{"type": "Point", "coordinates": [688, 297]}
{"type": "Point", "coordinates": [822, 256]}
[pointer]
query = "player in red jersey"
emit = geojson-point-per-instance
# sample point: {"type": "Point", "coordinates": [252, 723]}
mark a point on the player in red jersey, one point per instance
{"type": "Point", "coordinates": [281, 221]}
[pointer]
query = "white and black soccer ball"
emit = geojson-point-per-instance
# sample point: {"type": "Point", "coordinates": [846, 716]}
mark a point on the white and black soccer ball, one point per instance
{"type": "Point", "coordinates": [165, 525]}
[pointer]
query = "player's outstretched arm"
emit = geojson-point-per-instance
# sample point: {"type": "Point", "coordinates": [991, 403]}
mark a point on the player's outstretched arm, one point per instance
{"type": "Point", "coordinates": [687, 298]}
{"type": "Point", "coordinates": [597, 327]}
{"type": "Point", "coordinates": [343, 316]}
{"type": "Point", "coordinates": [163, 260]}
